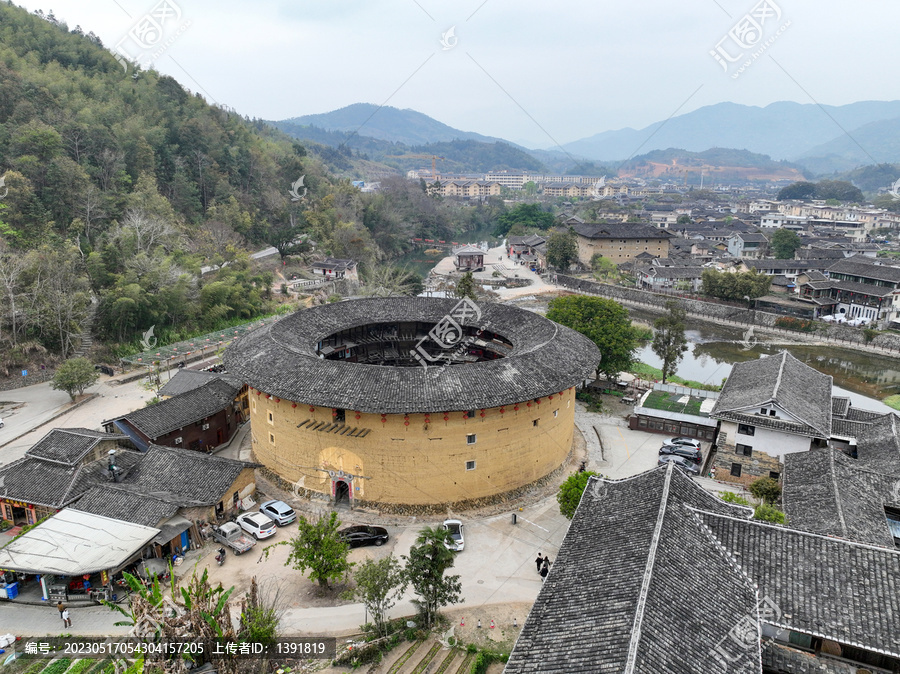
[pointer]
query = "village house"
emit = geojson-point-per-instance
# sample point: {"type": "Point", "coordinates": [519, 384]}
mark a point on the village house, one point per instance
{"type": "Point", "coordinates": [748, 245]}
{"type": "Point", "coordinates": [201, 418]}
{"type": "Point", "coordinates": [140, 506]}
{"type": "Point", "coordinates": [525, 247]}
{"type": "Point", "coordinates": [676, 410]}
{"type": "Point", "coordinates": [662, 278]}
{"type": "Point", "coordinates": [657, 575]}
{"type": "Point", "coordinates": [620, 242]}
{"type": "Point", "coordinates": [56, 471]}
{"type": "Point", "coordinates": [469, 258]}
{"type": "Point", "coordinates": [332, 268]}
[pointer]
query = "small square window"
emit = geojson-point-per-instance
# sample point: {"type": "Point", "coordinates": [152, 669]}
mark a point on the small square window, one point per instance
{"type": "Point", "coordinates": [745, 450]}
{"type": "Point", "coordinates": [555, 413]}
{"type": "Point", "coordinates": [471, 438]}
{"type": "Point", "coordinates": [762, 410]}
{"type": "Point", "coordinates": [744, 429]}
{"type": "Point", "coordinates": [271, 417]}
{"type": "Point", "coordinates": [272, 438]}
{"type": "Point", "coordinates": [470, 465]}
{"type": "Point", "coordinates": [774, 475]}
{"type": "Point", "coordinates": [534, 422]}
{"type": "Point", "coordinates": [735, 470]}
{"type": "Point", "coordinates": [771, 413]}
{"type": "Point", "coordinates": [339, 416]}
{"type": "Point", "coordinates": [470, 414]}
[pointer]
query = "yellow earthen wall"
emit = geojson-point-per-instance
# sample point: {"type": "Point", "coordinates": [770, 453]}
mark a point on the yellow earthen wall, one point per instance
{"type": "Point", "coordinates": [419, 463]}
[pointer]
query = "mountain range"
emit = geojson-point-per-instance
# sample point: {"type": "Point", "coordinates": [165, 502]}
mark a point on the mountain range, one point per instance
{"type": "Point", "coordinates": [821, 139]}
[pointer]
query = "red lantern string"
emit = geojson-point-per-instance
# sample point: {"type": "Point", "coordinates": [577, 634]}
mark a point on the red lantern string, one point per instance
{"type": "Point", "coordinates": [516, 408]}
{"type": "Point", "coordinates": [312, 409]}
{"type": "Point", "coordinates": [502, 410]}
{"type": "Point", "coordinates": [293, 404]}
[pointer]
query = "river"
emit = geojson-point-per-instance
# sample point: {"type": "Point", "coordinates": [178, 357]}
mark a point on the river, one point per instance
{"type": "Point", "coordinates": [866, 379]}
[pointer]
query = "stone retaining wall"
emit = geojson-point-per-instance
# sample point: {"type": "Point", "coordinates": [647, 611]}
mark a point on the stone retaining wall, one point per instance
{"type": "Point", "coordinates": [843, 335]}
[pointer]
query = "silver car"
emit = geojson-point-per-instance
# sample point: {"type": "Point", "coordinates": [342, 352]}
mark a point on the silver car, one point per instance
{"type": "Point", "coordinates": [455, 527]}
{"type": "Point", "coordinates": [279, 512]}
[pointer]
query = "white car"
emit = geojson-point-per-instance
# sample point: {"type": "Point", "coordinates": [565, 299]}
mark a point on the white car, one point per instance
{"type": "Point", "coordinates": [455, 527]}
{"type": "Point", "coordinates": [257, 524]}
{"type": "Point", "coordinates": [858, 321]}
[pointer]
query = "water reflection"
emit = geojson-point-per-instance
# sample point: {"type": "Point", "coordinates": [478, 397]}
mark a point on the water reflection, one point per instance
{"type": "Point", "coordinates": [715, 350]}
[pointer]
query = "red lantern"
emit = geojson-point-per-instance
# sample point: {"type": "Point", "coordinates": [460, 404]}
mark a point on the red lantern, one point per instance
{"type": "Point", "coordinates": [312, 409]}
{"type": "Point", "coordinates": [293, 404]}
{"type": "Point", "coordinates": [550, 397]}
{"type": "Point", "coordinates": [502, 410]}
{"type": "Point", "coordinates": [516, 408]}
{"type": "Point", "coordinates": [333, 412]}
{"type": "Point", "coordinates": [538, 401]}
{"type": "Point", "coordinates": [465, 415]}
{"type": "Point", "coordinates": [406, 423]}
{"type": "Point", "coordinates": [482, 414]}
{"type": "Point", "coordinates": [446, 417]}
{"type": "Point", "coordinates": [358, 416]}
{"type": "Point", "coordinates": [277, 400]}
{"type": "Point", "coordinates": [528, 403]}
{"type": "Point", "coordinates": [259, 393]}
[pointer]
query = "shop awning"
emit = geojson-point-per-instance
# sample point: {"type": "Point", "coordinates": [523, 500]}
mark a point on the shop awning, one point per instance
{"type": "Point", "coordinates": [170, 529]}
{"type": "Point", "coordinates": [73, 543]}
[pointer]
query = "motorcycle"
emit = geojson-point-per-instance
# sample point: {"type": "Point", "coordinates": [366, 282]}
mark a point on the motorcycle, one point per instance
{"type": "Point", "coordinates": [220, 556]}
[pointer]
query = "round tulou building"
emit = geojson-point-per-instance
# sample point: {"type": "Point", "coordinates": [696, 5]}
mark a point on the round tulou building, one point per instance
{"type": "Point", "coordinates": [412, 401]}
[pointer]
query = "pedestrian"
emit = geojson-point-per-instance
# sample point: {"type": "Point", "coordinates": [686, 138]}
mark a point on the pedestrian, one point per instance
{"type": "Point", "coordinates": [67, 622]}
{"type": "Point", "coordinates": [539, 561]}
{"type": "Point", "coordinates": [60, 607]}
{"type": "Point", "coordinates": [545, 569]}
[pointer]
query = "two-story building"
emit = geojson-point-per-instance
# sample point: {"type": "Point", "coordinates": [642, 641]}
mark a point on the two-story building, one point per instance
{"type": "Point", "coordinates": [748, 245]}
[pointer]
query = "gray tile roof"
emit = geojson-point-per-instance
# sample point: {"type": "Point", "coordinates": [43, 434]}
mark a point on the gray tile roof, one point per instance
{"type": "Point", "coordinates": [187, 380]}
{"type": "Point", "coordinates": [118, 502]}
{"type": "Point", "coordinates": [625, 230]}
{"type": "Point", "coordinates": [282, 360]}
{"type": "Point", "coordinates": [827, 492]}
{"type": "Point", "coordinates": [183, 477]}
{"type": "Point", "coordinates": [863, 288]}
{"type": "Point", "coordinates": [839, 590]}
{"type": "Point", "coordinates": [184, 409]}
{"type": "Point", "coordinates": [878, 445]}
{"type": "Point", "coordinates": [53, 484]}
{"type": "Point", "coordinates": [672, 272]}
{"type": "Point", "coordinates": [865, 267]}
{"type": "Point", "coordinates": [779, 659]}
{"type": "Point", "coordinates": [798, 389]}
{"type": "Point", "coordinates": [629, 589]}
{"type": "Point", "coordinates": [68, 446]}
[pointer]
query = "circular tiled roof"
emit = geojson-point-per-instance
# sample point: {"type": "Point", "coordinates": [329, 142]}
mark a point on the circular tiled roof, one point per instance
{"type": "Point", "coordinates": [282, 360]}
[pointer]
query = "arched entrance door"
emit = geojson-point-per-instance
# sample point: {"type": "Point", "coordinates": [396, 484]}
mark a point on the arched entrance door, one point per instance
{"type": "Point", "coordinates": [341, 491]}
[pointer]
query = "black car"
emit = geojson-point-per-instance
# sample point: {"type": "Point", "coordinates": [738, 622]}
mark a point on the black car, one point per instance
{"type": "Point", "coordinates": [690, 453]}
{"type": "Point", "coordinates": [687, 466]}
{"type": "Point", "coordinates": [363, 535]}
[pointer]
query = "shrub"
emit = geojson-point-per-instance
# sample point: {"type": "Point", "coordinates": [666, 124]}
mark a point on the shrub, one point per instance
{"type": "Point", "coordinates": [796, 324]}
{"type": "Point", "coordinates": [869, 334]}
{"type": "Point", "coordinates": [731, 497]}
{"type": "Point", "coordinates": [766, 489]}
{"type": "Point", "coordinates": [485, 659]}
{"type": "Point", "coordinates": [769, 513]}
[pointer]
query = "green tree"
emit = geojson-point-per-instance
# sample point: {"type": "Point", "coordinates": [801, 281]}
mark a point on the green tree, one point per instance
{"type": "Point", "coordinates": [603, 267]}
{"type": "Point", "coordinates": [606, 323]}
{"type": "Point", "coordinates": [426, 565]}
{"type": "Point", "coordinates": [784, 242]}
{"type": "Point", "coordinates": [73, 376]}
{"type": "Point", "coordinates": [839, 190]}
{"type": "Point", "coordinates": [684, 220]}
{"type": "Point", "coordinates": [766, 489]}
{"type": "Point", "coordinates": [562, 250]}
{"type": "Point", "coordinates": [571, 491]}
{"type": "Point", "coordinates": [735, 286]}
{"type": "Point", "coordinates": [669, 340]}
{"type": "Point", "coordinates": [379, 584]}
{"type": "Point", "coordinates": [526, 215]}
{"type": "Point", "coordinates": [798, 190]}
{"type": "Point", "coordinates": [465, 287]}
{"type": "Point", "coordinates": [769, 513]}
{"type": "Point", "coordinates": [317, 547]}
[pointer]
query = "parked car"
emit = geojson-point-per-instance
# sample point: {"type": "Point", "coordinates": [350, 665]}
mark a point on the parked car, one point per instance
{"type": "Point", "coordinates": [362, 534]}
{"type": "Point", "coordinates": [681, 440]}
{"type": "Point", "coordinates": [455, 527]}
{"type": "Point", "coordinates": [256, 524]}
{"type": "Point", "coordinates": [690, 453]}
{"type": "Point", "coordinates": [829, 318]}
{"type": "Point", "coordinates": [685, 464]}
{"type": "Point", "coordinates": [279, 512]}
{"type": "Point", "coordinates": [858, 321]}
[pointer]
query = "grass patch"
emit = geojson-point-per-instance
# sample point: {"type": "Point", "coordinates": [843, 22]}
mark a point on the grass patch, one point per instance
{"type": "Point", "coordinates": [663, 400]}
{"type": "Point", "coordinates": [645, 371]}
{"type": "Point", "coordinates": [893, 401]}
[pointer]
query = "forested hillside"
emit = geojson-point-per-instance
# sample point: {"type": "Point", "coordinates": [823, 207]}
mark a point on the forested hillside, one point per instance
{"type": "Point", "coordinates": [121, 185]}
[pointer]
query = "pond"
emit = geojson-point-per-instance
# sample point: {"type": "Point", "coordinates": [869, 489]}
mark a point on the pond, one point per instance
{"type": "Point", "coordinates": [713, 350]}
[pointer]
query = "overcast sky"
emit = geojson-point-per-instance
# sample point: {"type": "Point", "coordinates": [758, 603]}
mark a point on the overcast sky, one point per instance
{"type": "Point", "coordinates": [534, 72]}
